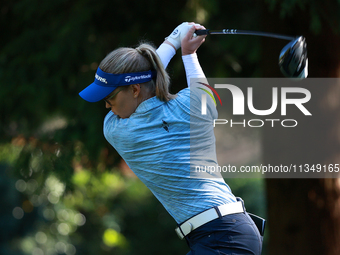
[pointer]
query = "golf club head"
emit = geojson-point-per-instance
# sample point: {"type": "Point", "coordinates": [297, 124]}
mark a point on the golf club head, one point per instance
{"type": "Point", "coordinates": [293, 59]}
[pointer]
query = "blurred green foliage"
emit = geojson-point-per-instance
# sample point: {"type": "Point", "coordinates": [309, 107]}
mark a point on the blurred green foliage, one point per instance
{"type": "Point", "coordinates": [321, 14]}
{"type": "Point", "coordinates": [105, 212]}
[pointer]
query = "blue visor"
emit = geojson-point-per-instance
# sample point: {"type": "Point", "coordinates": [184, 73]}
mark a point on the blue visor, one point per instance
{"type": "Point", "coordinates": [104, 83]}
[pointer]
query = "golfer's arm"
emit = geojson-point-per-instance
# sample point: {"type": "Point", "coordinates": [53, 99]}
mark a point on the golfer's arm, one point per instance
{"type": "Point", "coordinates": [192, 67]}
{"type": "Point", "coordinates": [165, 53]}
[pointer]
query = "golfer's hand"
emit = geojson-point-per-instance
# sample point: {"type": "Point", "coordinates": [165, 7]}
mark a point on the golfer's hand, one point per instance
{"type": "Point", "coordinates": [191, 43]}
{"type": "Point", "coordinates": [175, 38]}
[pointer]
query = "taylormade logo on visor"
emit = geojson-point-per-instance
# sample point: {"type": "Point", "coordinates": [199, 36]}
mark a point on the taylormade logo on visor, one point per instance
{"type": "Point", "coordinates": [101, 79]}
{"type": "Point", "coordinates": [113, 80]}
{"type": "Point", "coordinates": [136, 78]}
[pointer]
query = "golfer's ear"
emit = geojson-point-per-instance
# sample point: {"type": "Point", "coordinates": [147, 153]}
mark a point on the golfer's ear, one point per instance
{"type": "Point", "coordinates": [136, 89]}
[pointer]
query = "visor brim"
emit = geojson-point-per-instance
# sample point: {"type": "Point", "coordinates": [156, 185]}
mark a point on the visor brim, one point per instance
{"type": "Point", "coordinates": [94, 93]}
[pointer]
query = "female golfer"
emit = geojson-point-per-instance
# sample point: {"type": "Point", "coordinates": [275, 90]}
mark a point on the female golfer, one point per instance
{"type": "Point", "coordinates": [165, 138]}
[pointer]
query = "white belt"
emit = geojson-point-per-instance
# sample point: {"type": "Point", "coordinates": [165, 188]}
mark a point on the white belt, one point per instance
{"type": "Point", "coordinates": [206, 216]}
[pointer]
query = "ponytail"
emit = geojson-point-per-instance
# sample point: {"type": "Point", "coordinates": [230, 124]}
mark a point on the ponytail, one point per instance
{"type": "Point", "coordinates": [142, 58]}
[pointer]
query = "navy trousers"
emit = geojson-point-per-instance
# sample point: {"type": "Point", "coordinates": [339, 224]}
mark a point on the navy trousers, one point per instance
{"type": "Point", "coordinates": [230, 234]}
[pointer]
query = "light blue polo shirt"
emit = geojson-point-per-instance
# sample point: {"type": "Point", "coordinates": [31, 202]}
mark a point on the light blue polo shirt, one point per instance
{"type": "Point", "coordinates": [163, 142]}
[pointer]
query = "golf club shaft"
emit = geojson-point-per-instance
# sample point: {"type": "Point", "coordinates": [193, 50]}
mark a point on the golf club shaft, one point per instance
{"type": "Point", "coordinates": [242, 32]}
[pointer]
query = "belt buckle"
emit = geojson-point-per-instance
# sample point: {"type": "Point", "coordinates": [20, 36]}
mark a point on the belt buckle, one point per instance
{"type": "Point", "coordinates": [184, 229]}
{"type": "Point", "coordinates": [179, 234]}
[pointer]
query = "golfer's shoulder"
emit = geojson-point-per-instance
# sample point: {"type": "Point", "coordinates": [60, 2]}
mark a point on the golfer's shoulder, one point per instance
{"type": "Point", "coordinates": [109, 119]}
{"type": "Point", "coordinates": [190, 97]}
{"type": "Point", "coordinates": [184, 93]}
{"type": "Point", "coordinates": [109, 115]}
{"type": "Point", "coordinates": [189, 94]}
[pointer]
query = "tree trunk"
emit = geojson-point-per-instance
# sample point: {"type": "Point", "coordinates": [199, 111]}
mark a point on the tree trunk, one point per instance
{"type": "Point", "coordinates": [304, 214]}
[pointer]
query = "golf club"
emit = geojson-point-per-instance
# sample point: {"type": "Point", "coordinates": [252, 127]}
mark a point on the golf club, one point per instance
{"type": "Point", "coordinates": [293, 61]}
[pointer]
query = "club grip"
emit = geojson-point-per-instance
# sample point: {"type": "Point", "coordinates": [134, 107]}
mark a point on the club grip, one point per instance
{"type": "Point", "coordinates": [202, 32]}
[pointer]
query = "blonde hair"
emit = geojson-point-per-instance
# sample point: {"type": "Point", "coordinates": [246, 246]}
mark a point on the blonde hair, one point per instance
{"type": "Point", "coordinates": [139, 59]}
